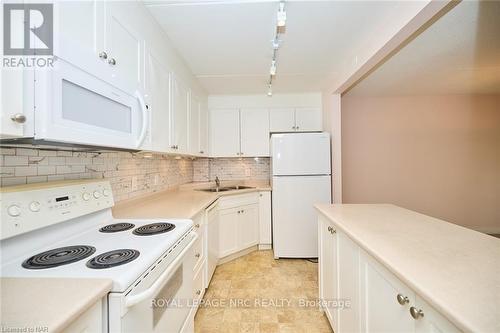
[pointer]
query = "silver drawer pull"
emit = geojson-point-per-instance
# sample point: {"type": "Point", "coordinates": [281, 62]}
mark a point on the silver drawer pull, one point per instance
{"type": "Point", "coordinates": [18, 118]}
{"type": "Point", "coordinates": [112, 61]}
{"type": "Point", "coordinates": [198, 292]}
{"type": "Point", "coordinates": [402, 299]}
{"type": "Point", "coordinates": [197, 255]}
{"type": "Point", "coordinates": [197, 225]}
{"type": "Point", "coordinates": [416, 313]}
{"type": "Point", "coordinates": [103, 55]}
{"type": "Point", "coordinates": [329, 229]}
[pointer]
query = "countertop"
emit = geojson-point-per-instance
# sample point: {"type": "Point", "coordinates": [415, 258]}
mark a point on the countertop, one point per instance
{"type": "Point", "coordinates": [455, 269]}
{"type": "Point", "coordinates": [183, 202]}
{"type": "Point", "coordinates": [47, 302]}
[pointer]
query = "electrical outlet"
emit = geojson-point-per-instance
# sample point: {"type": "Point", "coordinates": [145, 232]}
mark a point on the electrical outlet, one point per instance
{"type": "Point", "coordinates": [134, 183]}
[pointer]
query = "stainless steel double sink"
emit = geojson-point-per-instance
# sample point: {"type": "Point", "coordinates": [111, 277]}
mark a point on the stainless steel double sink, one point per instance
{"type": "Point", "coordinates": [225, 188]}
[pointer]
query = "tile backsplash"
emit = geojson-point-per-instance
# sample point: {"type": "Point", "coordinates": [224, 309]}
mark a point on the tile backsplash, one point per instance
{"type": "Point", "coordinates": [231, 169]}
{"type": "Point", "coordinates": [130, 174]}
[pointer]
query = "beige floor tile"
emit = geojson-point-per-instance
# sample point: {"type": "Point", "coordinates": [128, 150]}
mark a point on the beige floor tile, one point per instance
{"type": "Point", "coordinates": [262, 295]}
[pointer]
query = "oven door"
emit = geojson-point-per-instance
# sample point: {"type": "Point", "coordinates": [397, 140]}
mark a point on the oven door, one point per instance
{"type": "Point", "coordinates": [164, 306]}
{"type": "Point", "coordinates": [73, 106]}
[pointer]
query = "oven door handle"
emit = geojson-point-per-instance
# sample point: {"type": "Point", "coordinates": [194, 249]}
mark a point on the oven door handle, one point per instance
{"type": "Point", "coordinates": [134, 299]}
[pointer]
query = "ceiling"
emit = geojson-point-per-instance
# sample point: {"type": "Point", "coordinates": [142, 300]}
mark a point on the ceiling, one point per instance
{"type": "Point", "coordinates": [458, 54]}
{"type": "Point", "coordinates": [227, 44]}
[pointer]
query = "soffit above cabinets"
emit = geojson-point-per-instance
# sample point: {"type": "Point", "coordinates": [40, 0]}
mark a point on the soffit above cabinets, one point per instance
{"type": "Point", "coordinates": [457, 54]}
{"type": "Point", "coordinates": [227, 44]}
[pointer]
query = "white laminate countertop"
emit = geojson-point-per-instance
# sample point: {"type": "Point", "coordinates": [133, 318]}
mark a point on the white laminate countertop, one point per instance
{"type": "Point", "coordinates": [184, 202]}
{"type": "Point", "coordinates": [455, 269]}
{"type": "Point", "coordinates": [52, 303]}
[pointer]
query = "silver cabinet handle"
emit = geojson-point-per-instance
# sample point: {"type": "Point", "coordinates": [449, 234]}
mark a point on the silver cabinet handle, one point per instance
{"type": "Point", "coordinates": [112, 61]}
{"type": "Point", "coordinates": [198, 292]}
{"type": "Point", "coordinates": [173, 146]}
{"type": "Point", "coordinates": [197, 225]}
{"type": "Point", "coordinates": [202, 152]}
{"type": "Point", "coordinates": [297, 127]}
{"type": "Point", "coordinates": [260, 195]}
{"type": "Point", "coordinates": [103, 55]}
{"type": "Point", "coordinates": [18, 118]}
{"type": "Point", "coordinates": [241, 153]}
{"type": "Point", "coordinates": [416, 313]}
{"type": "Point", "coordinates": [197, 255]}
{"type": "Point", "coordinates": [293, 127]}
{"type": "Point", "coordinates": [402, 299]}
{"type": "Point", "coordinates": [329, 229]}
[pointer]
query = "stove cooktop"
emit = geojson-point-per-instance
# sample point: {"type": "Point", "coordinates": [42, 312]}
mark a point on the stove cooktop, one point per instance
{"type": "Point", "coordinates": [121, 256]}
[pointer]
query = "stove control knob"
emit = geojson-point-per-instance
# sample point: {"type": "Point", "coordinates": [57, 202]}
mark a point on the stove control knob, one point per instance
{"type": "Point", "coordinates": [86, 196]}
{"type": "Point", "coordinates": [105, 192]}
{"type": "Point", "coordinates": [14, 210]}
{"type": "Point", "coordinates": [97, 194]}
{"type": "Point", "coordinates": [35, 206]}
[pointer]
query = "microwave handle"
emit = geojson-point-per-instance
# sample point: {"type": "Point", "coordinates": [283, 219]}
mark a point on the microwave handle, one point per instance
{"type": "Point", "coordinates": [134, 299]}
{"type": "Point", "coordinates": [145, 120]}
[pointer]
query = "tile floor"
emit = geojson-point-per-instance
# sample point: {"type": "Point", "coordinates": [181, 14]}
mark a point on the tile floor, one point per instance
{"type": "Point", "coordinates": [256, 293]}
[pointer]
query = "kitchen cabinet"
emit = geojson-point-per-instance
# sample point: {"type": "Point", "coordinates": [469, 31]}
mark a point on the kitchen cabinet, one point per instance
{"type": "Point", "coordinates": [212, 236]}
{"type": "Point", "coordinates": [238, 133]}
{"type": "Point", "coordinates": [157, 97]}
{"type": "Point", "coordinates": [194, 125]}
{"type": "Point", "coordinates": [328, 273]}
{"type": "Point", "coordinates": [203, 149]}
{"type": "Point", "coordinates": [265, 213]}
{"type": "Point", "coordinates": [378, 300]}
{"type": "Point", "coordinates": [295, 120]}
{"type": "Point", "coordinates": [17, 111]}
{"type": "Point", "coordinates": [180, 111]}
{"type": "Point", "coordinates": [254, 132]}
{"type": "Point", "coordinates": [238, 223]}
{"type": "Point", "coordinates": [224, 133]}
{"type": "Point", "coordinates": [123, 44]}
{"type": "Point", "coordinates": [92, 320]}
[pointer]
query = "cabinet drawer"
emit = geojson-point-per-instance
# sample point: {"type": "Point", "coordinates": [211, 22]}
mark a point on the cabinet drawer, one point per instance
{"type": "Point", "coordinates": [198, 252]}
{"type": "Point", "coordinates": [238, 200]}
{"type": "Point", "coordinates": [198, 285]}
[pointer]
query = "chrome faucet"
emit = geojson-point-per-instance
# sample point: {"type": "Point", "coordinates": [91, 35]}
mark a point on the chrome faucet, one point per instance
{"type": "Point", "coordinates": [217, 182]}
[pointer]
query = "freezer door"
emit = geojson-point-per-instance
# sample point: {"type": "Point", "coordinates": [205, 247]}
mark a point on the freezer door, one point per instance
{"type": "Point", "coordinates": [295, 230]}
{"type": "Point", "coordinates": [300, 154]}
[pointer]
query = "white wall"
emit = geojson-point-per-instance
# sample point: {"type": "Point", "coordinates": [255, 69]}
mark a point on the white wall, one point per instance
{"type": "Point", "coordinates": [264, 101]}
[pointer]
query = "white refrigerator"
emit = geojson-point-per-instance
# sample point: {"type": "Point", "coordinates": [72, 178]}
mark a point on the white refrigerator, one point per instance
{"type": "Point", "coordinates": [301, 177]}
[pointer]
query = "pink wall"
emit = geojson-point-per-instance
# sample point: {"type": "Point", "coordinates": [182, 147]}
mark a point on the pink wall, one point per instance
{"type": "Point", "coordinates": [438, 155]}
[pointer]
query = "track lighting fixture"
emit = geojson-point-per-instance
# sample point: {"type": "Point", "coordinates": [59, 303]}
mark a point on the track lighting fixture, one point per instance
{"type": "Point", "coordinates": [272, 71]}
{"type": "Point", "coordinates": [270, 90]}
{"type": "Point", "coordinates": [280, 29]}
{"type": "Point", "coordinates": [281, 17]}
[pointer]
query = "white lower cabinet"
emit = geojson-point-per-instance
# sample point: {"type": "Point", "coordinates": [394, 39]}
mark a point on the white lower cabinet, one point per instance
{"type": "Point", "coordinates": [376, 300]}
{"type": "Point", "coordinates": [93, 320]}
{"type": "Point", "coordinates": [238, 223]}
{"type": "Point", "coordinates": [265, 214]}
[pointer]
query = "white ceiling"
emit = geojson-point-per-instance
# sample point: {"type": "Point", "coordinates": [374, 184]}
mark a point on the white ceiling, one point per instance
{"type": "Point", "coordinates": [227, 44]}
{"type": "Point", "coordinates": [458, 54]}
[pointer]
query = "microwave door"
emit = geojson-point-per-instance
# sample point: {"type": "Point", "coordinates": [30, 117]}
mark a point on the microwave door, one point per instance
{"type": "Point", "coordinates": [85, 110]}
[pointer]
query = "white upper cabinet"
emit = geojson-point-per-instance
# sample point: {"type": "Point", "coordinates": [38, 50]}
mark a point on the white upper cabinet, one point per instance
{"type": "Point", "coordinates": [194, 125]}
{"type": "Point", "coordinates": [203, 131]}
{"type": "Point", "coordinates": [254, 132]}
{"type": "Point", "coordinates": [282, 120]}
{"type": "Point", "coordinates": [157, 97]}
{"type": "Point", "coordinates": [239, 133]}
{"type": "Point", "coordinates": [123, 44]}
{"type": "Point", "coordinates": [180, 111]}
{"type": "Point", "coordinates": [308, 119]}
{"type": "Point", "coordinates": [225, 133]}
{"type": "Point", "coordinates": [295, 120]}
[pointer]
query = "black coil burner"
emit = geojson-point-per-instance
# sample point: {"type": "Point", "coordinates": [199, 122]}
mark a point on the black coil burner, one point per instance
{"type": "Point", "coordinates": [153, 229]}
{"type": "Point", "coordinates": [113, 258]}
{"type": "Point", "coordinates": [57, 257]}
{"type": "Point", "coordinates": [116, 227]}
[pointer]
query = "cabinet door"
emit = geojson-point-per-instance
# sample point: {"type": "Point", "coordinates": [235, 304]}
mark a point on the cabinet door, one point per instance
{"type": "Point", "coordinates": [432, 321]}
{"type": "Point", "coordinates": [265, 218]}
{"type": "Point", "coordinates": [203, 130]}
{"type": "Point", "coordinates": [158, 98]}
{"type": "Point", "coordinates": [123, 44]}
{"type": "Point", "coordinates": [380, 309]}
{"type": "Point", "coordinates": [282, 120]}
{"type": "Point", "coordinates": [248, 226]}
{"type": "Point", "coordinates": [254, 132]}
{"type": "Point", "coordinates": [308, 119]}
{"type": "Point", "coordinates": [348, 277]}
{"type": "Point", "coordinates": [194, 125]}
{"type": "Point", "coordinates": [14, 101]}
{"type": "Point", "coordinates": [224, 133]}
{"type": "Point", "coordinates": [180, 105]}
{"type": "Point", "coordinates": [228, 231]}
{"type": "Point", "coordinates": [328, 274]}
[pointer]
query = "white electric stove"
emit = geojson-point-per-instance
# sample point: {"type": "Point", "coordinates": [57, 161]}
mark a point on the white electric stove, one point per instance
{"type": "Point", "coordinates": [66, 229]}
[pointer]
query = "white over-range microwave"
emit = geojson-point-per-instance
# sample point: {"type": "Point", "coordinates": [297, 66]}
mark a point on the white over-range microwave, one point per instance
{"type": "Point", "coordinates": [73, 105]}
